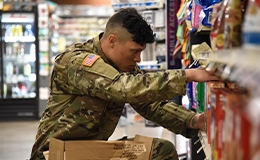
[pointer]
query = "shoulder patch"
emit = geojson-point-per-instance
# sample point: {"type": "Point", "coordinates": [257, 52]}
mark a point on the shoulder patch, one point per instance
{"type": "Point", "coordinates": [90, 60]}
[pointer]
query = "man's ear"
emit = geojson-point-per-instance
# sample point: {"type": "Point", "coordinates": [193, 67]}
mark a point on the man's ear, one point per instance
{"type": "Point", "coordinates": [112, 40]}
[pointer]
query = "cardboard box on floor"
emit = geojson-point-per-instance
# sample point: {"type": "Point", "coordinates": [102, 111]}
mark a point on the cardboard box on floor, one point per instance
{"type": "Point", "coordinates": [139, 149]}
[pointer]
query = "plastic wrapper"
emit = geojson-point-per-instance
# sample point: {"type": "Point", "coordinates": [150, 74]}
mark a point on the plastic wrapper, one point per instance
{"type": "Point", "coordinates": [199, 96]}
{"type": "Point", "coordinates": [205, 16]}
{"type": "Point", "coordinates": [221, 25]}
{"type": "Point", "coordinates": [196, 9]}
{"type": "Point", "coordinates": [214, 25]}
{"type": "Point", "coordinates": [232, 24]}
{"type": "Point", "coordinates": [188, 15]}
{"type": "Point", "coordinates": [251, 29]}
{"type": "Point", "coordinates": [207, 3]}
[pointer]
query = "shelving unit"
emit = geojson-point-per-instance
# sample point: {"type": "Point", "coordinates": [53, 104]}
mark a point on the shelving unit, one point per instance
{"type": "Point", "coordinates": [139, 5]}
{"type": "Point", "coordinates": [78, 23]}
{"type": "Point", "coordinates": [205, 145]}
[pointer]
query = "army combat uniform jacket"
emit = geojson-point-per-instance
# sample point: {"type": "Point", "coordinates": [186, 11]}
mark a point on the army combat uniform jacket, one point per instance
{"type": "Point", "coordinates": [88, 93]}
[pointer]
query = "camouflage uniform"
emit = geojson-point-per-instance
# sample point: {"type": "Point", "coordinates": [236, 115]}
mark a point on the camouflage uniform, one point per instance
{"type": "Point", "coordinates": [86, 102]}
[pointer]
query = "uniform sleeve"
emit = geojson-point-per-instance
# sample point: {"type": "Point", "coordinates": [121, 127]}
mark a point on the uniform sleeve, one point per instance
{"type": "Point", "coordinates": [169, 115]}
{"type": "Point", "coordinates": [104, 81]}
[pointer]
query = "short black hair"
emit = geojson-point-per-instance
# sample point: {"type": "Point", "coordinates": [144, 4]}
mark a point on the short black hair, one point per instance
{"type": "Point", "coordinates": [135, 24]}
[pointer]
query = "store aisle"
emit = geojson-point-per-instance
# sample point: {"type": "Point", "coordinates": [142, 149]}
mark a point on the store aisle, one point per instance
{"type": "Point", "coordinates": [17, 138]}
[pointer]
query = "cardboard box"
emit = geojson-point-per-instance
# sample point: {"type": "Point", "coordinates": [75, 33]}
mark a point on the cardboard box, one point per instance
{"type": "Point", "coordinates": [139, 149]}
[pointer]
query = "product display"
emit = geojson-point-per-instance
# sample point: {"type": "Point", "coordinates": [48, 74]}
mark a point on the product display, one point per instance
{"type": "Point", "coordinates": [232, 108]}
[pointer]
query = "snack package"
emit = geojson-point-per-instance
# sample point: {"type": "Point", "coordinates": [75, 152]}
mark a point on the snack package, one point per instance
{"type": "Point", "coordinates": [196, 9]}
{"type": "Point", "coordinates": [216, 115]}
{"type": "Point", "coordinates": [232, 102]}
{"type": "Point", "coordinates": [214, 25]}
{"type": "Point", "coordinates": [208, 86]}
{"type": "Point", "coordinates": [245, 129]}
{"type": "Point", "coordinates": [251, 29]}
{"type": "Point", "coordinates": [254, 112]}
{"type": "Point", "coordinates": [232, 24]}
{"type": "Point", "coordinates": [188, 15]}
{"type": "Point", "coordinates": [189, 92]}
{"type": "Point", "coordinates": [194, 84]}
{"type": "Point", "coordinates": [205, 16]}
{"type": "Point", "coordinates": [199, 94]}
{"type": "Point", "coordinates": [220, 32]}
{"type": "Point", "coordinates": [207, 3]}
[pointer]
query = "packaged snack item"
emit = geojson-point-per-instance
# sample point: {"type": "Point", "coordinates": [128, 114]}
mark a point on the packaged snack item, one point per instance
{"type": "Point", "coordinates": [251, 29]}
{"type": "Point", "coordinates": [207, 3]}
{"type": "Point", "coordinates": [216, 122]}
{"type": "Point", "coordinates": [214, 25]}
{"type": "Point", "coordinates": [245, 128]}
{"type": "Point", "coordinates": [254, 112]}
{"type": "Point", "coordinates": [189, 92]}
{"type": "Point", "coordinates": [194, 84]}
{"type": "Point", "coordinates": [208, 86]}
{"type": "Point", "coordinates": [232, 24]}
{"type": "Point", "coordinates": [220, 32]}
{"type": "Point", "coordinates": [188, 15]}
{"type": "Point", "coordinates": [196, 8]}
{"type": "Point", "coordinates": [206, 16]}
{"type": "Point", "coordinates": [199, 95]}
{"type": "Point", "coordinates": [231, 101]}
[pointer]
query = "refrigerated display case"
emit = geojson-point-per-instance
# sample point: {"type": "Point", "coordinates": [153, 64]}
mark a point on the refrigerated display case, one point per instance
{"type": "Point", "coordinates": [19, 65]}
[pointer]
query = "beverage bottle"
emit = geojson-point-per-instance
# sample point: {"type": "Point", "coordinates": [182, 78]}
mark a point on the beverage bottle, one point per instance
{"type": "Point", "coordinates": [32, 53]}
{"type": "Point", "coordinates": [8, 51]}
{"type": "Point", "coordinates": [14, 33]}
{"type": "Point", "coordinates": [15, 91]}
{"type": "Point", "coordinates": [19, 30]}
{"type": "Point", "coordinates": [8, 32]}
{"type": "Point", "coordinates": [9, 71]}
{"type": "Point", "coordinates": [23, 90]}
{"type": "Point", "coordinates": [15, 50]}
{"type": "Point", "coordinates": [27, 70]}
{"type": "Point", "coordinates": [28, 30]}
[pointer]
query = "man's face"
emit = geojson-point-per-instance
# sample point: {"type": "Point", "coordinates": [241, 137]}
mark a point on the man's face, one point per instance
{"type": "Point", "coordinates": [126, 55]}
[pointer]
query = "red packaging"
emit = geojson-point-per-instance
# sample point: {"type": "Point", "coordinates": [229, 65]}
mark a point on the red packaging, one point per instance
{"type": "Point", "coordinates": [216, 123]}
{"type": "Point", "coordinates": [231, 100]}
{"type": "Point", "coordinates": [208, 86]}
{"type": "Point", "coordinates": [244, 142]}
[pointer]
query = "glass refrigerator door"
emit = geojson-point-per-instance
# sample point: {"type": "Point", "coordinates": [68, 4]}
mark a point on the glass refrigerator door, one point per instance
{"type": "Point", "coordinates": [19, 55]}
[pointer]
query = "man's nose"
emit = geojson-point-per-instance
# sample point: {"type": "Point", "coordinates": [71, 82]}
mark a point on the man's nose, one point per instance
{"type": "Point", "coordinates": [137, 58]}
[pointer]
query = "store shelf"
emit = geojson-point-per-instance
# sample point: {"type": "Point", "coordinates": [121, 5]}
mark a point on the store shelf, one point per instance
{"type": "Point", "coordinates": [19, 39]}
{"type": "Point", "coordinates": [21, 3]}
{"type": "Point", "coordinates": [83, 16]}
{"type": "Point", "coordinates": [139, 5]}
{"type": "Point", "coordinates": [205, 145]}
{"type": "Point", "coordinates": [242, 56]}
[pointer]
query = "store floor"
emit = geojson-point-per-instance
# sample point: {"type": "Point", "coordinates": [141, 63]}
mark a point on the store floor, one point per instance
{"type": "Point", "coordinates": [17, 138]}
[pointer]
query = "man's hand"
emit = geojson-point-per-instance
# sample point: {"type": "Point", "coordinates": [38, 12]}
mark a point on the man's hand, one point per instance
{"type": "Point", "coordinates": [197, 122]}
{"type": "Point", "coordinates": [200, 75]}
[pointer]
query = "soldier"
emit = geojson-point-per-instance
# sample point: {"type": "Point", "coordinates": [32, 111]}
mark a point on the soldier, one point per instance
{"type": "Point", "coordinates": [91, 82]}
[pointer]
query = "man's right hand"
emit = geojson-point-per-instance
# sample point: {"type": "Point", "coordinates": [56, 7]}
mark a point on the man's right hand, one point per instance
{"type": "Point", "coordinates": [200, 75]}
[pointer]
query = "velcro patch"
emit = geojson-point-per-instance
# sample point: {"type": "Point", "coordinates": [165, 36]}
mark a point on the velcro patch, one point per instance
{"type": "Point", "coordinates": [90, 59]}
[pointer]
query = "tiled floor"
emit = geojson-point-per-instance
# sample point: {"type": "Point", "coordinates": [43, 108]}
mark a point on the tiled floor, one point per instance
{"type": "Point", "coordinates": [17, 138]}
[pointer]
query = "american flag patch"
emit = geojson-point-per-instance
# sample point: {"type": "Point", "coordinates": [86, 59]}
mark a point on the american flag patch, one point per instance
{"type": "Point", "coordinates": [90, 59]}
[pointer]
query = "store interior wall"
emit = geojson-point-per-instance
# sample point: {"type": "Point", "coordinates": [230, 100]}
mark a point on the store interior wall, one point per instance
{"type": "Point", "coordinates": [85, 2]}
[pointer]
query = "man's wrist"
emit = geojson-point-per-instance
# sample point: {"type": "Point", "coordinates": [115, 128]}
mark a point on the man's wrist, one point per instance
{"type": "Point", "coordinates": [193, 122]}
{"type": "Point", "coordinates": [188, 73]}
